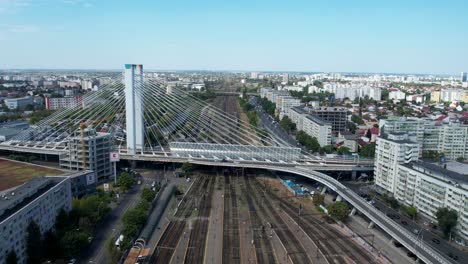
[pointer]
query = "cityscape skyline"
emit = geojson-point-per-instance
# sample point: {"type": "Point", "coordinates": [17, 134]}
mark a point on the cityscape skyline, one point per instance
{"type": "Point", "coordinates": [261, 36]}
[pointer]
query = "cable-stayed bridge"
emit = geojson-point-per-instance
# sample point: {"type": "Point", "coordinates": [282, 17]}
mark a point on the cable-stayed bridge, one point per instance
{"type": "Point", "coordinates": [146, 120]}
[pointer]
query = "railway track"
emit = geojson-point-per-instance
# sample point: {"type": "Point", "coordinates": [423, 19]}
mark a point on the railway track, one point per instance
{"type": "Point", "coordinates": [172, 234]}
{"type": "Point", "coordinates": [267, 212]}
{"type": "Point", "coordinates": [196, 247]}
{"type": "Point", "coordinates": [336, 247]}
{"type": "Point", "coordinates": [231, 240]}
{"type": "Point", "coordinates": [263, 248]}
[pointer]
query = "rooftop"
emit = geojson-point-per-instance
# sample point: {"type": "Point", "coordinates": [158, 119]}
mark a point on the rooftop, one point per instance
{"type": "Point", "coordinates": [438, 171]}
{"type": "Point", "coordinates": [13, 200]}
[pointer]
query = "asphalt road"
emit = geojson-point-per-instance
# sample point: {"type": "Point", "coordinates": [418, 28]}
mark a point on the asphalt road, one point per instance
{"type": "Point", "coordinates": [422, 231]}
{"type": "Point", "coordinates": [111, 226]}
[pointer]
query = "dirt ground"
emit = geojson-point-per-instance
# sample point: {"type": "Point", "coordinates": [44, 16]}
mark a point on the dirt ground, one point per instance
{"type": "Point", "coordinates": [14, 173]}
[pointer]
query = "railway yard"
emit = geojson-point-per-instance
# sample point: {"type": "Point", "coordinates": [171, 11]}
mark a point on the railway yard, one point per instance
{"type": "Point", "coordinates": [251, 221]}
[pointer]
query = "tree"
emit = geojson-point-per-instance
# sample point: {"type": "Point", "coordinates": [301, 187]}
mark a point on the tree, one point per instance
{"type": "Point", "coordinates": [368, 150]}
{"type": "Point", "coordinates": [338, 211]}
{"type": "Point", "coordinates": [52, 248]}
{"type": "Point", "coordinates": [343, 150]}
{"type": "Point", "coordinates": [447, 219]}
{"type": "Point", "coordinates": [33, 243]}
{"type": "Point", "coordinates": [412, 211]}
{"type": "Point", "coordinates": [73, 241]}
{"type": "Point", "coordinates": [356, 119]}
{"type": "Point", "coordinates": [351, 127]}
{"type": "Point", "coordinates": [328, 149]}
{"type": "Point", "coordinates": [148, 194]}
{"type": "Point", "coordinates": [125, 181]}
{"type": "Point", "coordinates": [309, 142]}
{"type": "Point", "coordinates": [12, 258]}
{"type": "Point", "coordinates": [318, 198]}
{"type": "Point", "coordinates": [287, 124]}
{"type": "Point", "coordinates": [187, 169]}
{"type": "Point", "coordinates": [460, 159]}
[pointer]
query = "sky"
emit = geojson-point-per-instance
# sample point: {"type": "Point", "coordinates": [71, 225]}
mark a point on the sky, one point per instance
{"type": "Point", "coordinates": [244, 35]}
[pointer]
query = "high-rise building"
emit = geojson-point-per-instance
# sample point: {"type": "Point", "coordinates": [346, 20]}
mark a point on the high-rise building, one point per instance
{"type": "Point", "coordinates": [89, 150]}
{"type": "Point", "coordinates": [390, 151]}
{"type": "Point", "coordinates": [464, 77]}
{"type": "Point", "coordinates": [449, 138]}
{"type": "Point", "coordinates": [428, 187]}
{"type": "Point", "coordinates": [134, 107]}
{"type": "Point", "coordinates": [39, 200]}
{"type": "Point", "coordinates": [285, 78]}
{"type": "Point", "coordinates": [63, 102]}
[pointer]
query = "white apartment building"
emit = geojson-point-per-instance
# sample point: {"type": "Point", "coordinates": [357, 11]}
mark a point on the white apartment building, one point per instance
{"type": "Point", "coordinates": [396, 95]}
{"type": "Point", "coordinates": [353, 90]}
{"type": "Point", "coordinates": [293, 88]}
{"type": "Point", "coordinates": [311, 125]}
{"type": "Point", "coordinates": [285, 103]}
{"type": "Point", "coordinates": [38, 200]}
{"type": "Point", "coordinates": [450, 138]}
{"type": "Point", "coordinates": [429, 187]}
{"type": "Point", "coordinates": [390, 151]}
{"type": "Point", "coordinates": [450, 95]}
{"type": "Point", "coordinates": [315, 127]}
{"type": "Point", "coordinates": [19, 103]}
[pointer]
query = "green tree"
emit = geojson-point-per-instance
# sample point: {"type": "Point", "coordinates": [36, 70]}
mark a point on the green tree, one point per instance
{"type": "Point", "coordinates": [447, 219]}
{"type": "Point", "coordinates": [412, 211]}
{"type": "Point", "coordinates": [343, 150]}
{"type": "Point", "coordinates": [328, 149]}
{"type": "Point", "coordinates": [12, 258]}
{"type": "Point", "coordinates": [309, 142]}
{"type": "Point", "coordinates": [187, 169]}
{"type": "Point", "coordinates": [356, 119]}
{"type": "Point", "coordinates": [73, 241]}
{"type": "Point", "coordinates": [148, 194]}
{"type": "Point", "coordinates": [34, 243]}
{"type": "Point", "coordinates": [125, 181]}
{"type": "Point", "coordinates": [368, 150]}
{"type": "Point", "coordinates": [318, 198]}
{"type": "Point", "coordinates": [287, 124]}
{"type": "Point", "coordinates": [351, 127]}
{"type": "Point", "coordinates": [338, 211]}
{"type": "Point", "coordinates": [460, 159]}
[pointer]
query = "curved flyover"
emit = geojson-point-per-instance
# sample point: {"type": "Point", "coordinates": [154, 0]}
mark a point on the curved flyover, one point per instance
{"type": "Point", "coordinates": [406, 238]}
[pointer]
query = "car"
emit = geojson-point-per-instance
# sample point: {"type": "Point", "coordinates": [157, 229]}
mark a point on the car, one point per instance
{"type": "Point", "coordinates": [452, 256]}
{"type": "Point", "coordinates": [436, 241]}
{"type": "Point", "coordinates": [411, 255]}
{"type": "Point", "coordinates": [416, 231]}
{"type": "Point", "coordinates": [397, 244]}
{"type": "Point", "coordinates": [404, 223]}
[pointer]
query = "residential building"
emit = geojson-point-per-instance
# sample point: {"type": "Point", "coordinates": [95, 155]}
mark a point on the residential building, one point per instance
{"type": "Point", "coordinates": [19, 103]}
{"type": "Point", "coordinates": [285, 78]}
{"type": "Point", "coordinates": [396, 94]}
{"type": "Point", "coordinates": [39, 200]}
{"type": "Point", "coordinates": [390, 151]}
{"type": "Point", "coordinates": [450, 95]}
{"type": "Point", "coordinates": [285, 103]}
{"type": "Point", "coordinates": [464, 77]}
{"type": "Point", "coordinates": [89, 150]}
{"type": "Point", "coordinates": [336, 116]}
{"type": "Point", "coordinates": [450, 138]}
{"type": "Point", "coordinates": [315, 127]}
{"type": "Point", "coordinates": [63, 102]}
{"type": "Point", "coordinates": [429, 187]}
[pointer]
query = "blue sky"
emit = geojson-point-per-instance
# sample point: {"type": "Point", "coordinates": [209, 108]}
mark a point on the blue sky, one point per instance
{"type": "Point", "coordinates": [341, 36]}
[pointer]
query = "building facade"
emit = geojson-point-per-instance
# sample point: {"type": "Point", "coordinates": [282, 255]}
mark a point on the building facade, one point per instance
{"type": "Point", "coordinates": [39, 200]}
{"type": "Point", "coordinates": [429, 187]}
{"type": "Point", "coordinates": [63, 102]}
{"type": "Point", "coordinates": [89, 150]}
{"type": "Point", "coordinates": [390, 151]}
{"type": "Point", "coordinates": [315, 127]}
{"type": "Point", "coordinates": [19, 103]}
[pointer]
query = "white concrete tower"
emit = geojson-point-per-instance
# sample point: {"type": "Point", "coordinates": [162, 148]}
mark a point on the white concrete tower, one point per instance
{"type": "Point", "coordinates": [134, 107]}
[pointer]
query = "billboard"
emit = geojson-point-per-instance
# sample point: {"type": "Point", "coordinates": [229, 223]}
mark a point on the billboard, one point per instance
{"type": "Point", "coordinates": [114, 156]}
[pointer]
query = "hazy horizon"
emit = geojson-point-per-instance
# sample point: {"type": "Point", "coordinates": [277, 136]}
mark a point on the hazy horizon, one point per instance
{"type": "Point", "coordinates": [417, 37]}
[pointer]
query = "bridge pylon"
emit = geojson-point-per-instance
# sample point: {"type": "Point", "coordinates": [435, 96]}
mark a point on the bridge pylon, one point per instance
{"type": "Point", "coordinates": [134, 107]}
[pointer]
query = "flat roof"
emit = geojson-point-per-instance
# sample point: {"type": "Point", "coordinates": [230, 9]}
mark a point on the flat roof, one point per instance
{"type": "Point", "coordinates": [13, 200]}
{"type": "Point", "coordinates": [438, 171]}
